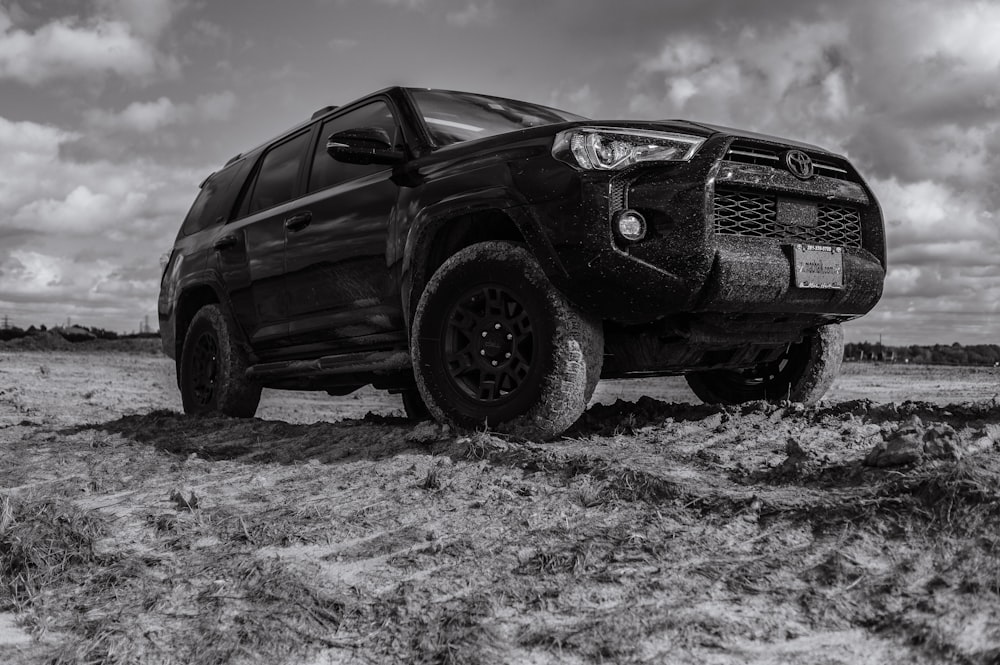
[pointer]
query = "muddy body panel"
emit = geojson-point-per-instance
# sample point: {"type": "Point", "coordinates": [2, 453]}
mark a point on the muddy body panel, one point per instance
{"type": "Point", "coordinates": [722, 239]}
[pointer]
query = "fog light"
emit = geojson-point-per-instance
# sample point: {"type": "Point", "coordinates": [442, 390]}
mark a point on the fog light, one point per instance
{"type": "Point", "coordinates": [630, 225]}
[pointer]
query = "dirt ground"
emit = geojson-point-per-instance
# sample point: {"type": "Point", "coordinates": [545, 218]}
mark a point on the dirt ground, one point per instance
{"type": "Point", "coordinates": [658, 530]}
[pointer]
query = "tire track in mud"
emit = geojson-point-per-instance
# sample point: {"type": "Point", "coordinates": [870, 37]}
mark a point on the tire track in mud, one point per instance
{"type": "Point", "coordinates": [698, 532]}
{"type": "Point", "coordinates": [718, 460]}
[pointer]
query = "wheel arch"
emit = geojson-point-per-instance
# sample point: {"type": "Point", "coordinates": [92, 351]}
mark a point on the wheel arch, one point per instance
{"type": "Point", "coordinates": [190, 301]}
{"type": "Point", "coordinates": [434, 237]}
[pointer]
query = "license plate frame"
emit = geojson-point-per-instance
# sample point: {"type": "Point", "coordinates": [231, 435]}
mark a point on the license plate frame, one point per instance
{"type": "Point", "coordinates": [818, 266]}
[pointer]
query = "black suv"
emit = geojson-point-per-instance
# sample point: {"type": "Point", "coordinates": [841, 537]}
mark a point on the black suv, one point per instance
{"type": "Point", "coordinates": [492, 259]}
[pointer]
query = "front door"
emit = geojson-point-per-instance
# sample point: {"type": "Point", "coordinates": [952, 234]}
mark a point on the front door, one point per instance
{"type": "Point", "coordinates": [340, 294]}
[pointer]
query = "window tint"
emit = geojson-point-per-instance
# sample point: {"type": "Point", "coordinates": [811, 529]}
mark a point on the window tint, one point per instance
{"type": "Point", "coordinates": [215, 200]}
{"type": "Point", "coordinates": [326, 171]}
{"type": "Point", "coordinates": [278, 172]}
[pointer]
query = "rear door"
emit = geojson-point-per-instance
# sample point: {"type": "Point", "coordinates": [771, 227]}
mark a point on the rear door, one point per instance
{"type": "Point", "coordinates": [257, 242]}
{"type": "Point", "coordinates": [339, 291]}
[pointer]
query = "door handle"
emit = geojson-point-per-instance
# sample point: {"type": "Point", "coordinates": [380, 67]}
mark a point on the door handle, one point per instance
{"type": "Point", "coordinates": [225, 242]}
{"type": "Point", "coordinates": [299, 221]}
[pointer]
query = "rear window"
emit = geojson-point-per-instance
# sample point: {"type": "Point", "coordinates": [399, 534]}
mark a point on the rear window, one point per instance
{"type": "Point", "coordinates": [215, 200]}
{"type": "Point", "coordinates": [278, 173]}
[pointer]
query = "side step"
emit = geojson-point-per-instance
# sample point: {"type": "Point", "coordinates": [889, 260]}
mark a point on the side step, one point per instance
{"type": "Point", "coordinates": [347, 363]}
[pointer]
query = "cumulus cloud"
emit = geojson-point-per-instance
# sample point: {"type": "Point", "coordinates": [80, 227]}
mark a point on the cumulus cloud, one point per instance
{"type": "Point", "coordinates": [762, 77]}
{"type": "Point", "coordinates": [342, 43]}
{"type": "Point", "coordinates": [29, 149]}
{"type": "Point", "coordinates": [148, 18]}
{"type": "Point", "coordinates": [137, 116]}
{"type": "Point", "coordinates": [71, 47]}
{"type": "Point", "coordinates": [81, 211]}
{"type": "Point", "coordinates": [929, 211]}
{"type": "Point", "coordinates": [77, 233]}
{"type": "Point", "coordinates": [36, 277]}
{"type": "Point", "coordinates": [145, 117]}
{"type": "Point", "coordinates": [209, 31]}
{"type": "Point", "coordinates": [582, 100]}
{"type": "Point", "coordinates": [49, 288]}
{"type": "Point", "coordinates": [408, 4]}
{"type": "Point", "coordinates": [472, 14]}
{"type": "Point", "coordinates": [836, 70]}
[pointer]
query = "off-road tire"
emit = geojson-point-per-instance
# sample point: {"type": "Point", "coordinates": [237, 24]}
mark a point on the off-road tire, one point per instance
{"type": "Point", "coordinates": [413, 405]}
{"type": "Point", "coordinates": [804, 375]}
{"type": "Point", "coordinates": [212, 368]}
{"type": "Point", "coordinates": [492, 303]}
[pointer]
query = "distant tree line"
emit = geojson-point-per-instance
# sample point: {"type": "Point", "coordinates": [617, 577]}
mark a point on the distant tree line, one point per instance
{"type": "Point", "coordinates": [72, 333]}
{"type": "Point", "coordinates": [938, 354]}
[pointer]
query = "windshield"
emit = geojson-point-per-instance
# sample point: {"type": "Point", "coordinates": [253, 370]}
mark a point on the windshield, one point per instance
{"type": "Point", "coordinates": [453, 117]}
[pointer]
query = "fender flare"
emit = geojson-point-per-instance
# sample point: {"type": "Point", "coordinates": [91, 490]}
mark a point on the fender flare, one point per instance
{"type": "Point", "coordinates": [432, 219]}
{"type": "Point", "coordinates": [210, 280]}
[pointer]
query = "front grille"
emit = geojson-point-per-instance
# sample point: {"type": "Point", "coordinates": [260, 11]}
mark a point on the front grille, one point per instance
{"type": "Point", "coordinates": [840, 225]}
{"type": "Point", "coordinates": [766, 155]}
{"type": "Point", "coordinates": [746, 214]}
{"type": "Point", "coordinates": [756, 216]}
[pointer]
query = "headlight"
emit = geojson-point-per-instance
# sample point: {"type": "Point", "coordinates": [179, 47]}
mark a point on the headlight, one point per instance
{"type": "Point", "coordinates": [609, 149]}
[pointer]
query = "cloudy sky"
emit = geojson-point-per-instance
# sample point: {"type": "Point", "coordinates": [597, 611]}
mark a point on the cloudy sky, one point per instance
{"type": "Point", "coordinates": [112, 111]}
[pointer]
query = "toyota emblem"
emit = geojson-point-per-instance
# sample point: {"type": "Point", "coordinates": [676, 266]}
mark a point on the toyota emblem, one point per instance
{"type": "Point", "coordinates": [799, 164]}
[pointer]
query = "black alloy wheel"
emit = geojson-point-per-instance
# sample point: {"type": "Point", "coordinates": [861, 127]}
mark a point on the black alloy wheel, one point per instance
{"type": "Point", "coordinates": [495, 345]}
{"type": "Point", "coordinates": [490, 343]}
{"type": "Point", "coordinates": [212, 368]}
{"type": "Point", "coordinates": [204, 368]}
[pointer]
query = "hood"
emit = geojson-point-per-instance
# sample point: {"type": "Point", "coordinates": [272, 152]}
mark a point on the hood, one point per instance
{"type": "Point", "coordinates": [742, 133]}
{"type": "Point", "coordinates": [704, 129]}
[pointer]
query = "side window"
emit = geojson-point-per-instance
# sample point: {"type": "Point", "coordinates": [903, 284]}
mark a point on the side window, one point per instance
{"type": "Point", "coordinates": [278, 172]}
{"type": "Point", "coordinates": [326, 171]}
{"type": "Point", "coordinates": [215, 200]}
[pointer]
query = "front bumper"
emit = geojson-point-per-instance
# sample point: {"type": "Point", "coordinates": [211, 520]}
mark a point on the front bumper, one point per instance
{"type": "Point", "coordinates": [756, 275]}
{"type": "Point", "coordinates": [696, 258]}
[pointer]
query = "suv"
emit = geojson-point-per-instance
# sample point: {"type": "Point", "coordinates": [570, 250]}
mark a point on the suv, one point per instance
{"type": "Point", "coordinates": [492, 259]}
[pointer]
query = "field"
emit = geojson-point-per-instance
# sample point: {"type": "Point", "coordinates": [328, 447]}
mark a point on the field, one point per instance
{"type": "Point", "coordinates": [332, 530]}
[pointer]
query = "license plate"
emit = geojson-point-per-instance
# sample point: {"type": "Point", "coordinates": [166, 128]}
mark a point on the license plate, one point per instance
{"type": "Point", "coordinates": [818, 266]}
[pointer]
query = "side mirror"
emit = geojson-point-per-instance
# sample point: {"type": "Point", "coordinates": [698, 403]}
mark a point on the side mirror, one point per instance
{"type": "Point", "coordinates": [364, 145]}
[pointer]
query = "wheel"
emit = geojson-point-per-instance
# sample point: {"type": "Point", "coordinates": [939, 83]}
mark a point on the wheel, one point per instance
{"type": "Point", "coordinates": [212, 368]}
{"type": "Point", "coordinates": [494, 344]}
{"type": "Point", "coordinates": [803, 375]}
{"type": "Point", "coordinates": [413, 405]}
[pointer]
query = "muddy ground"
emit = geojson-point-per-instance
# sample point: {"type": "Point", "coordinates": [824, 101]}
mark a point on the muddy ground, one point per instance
{"type": "Point", "coordinates": [334, 531]}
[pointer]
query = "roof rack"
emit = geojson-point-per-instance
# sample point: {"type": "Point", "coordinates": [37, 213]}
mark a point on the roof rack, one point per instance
{"type": "Point", "coordinates": [323, 111]}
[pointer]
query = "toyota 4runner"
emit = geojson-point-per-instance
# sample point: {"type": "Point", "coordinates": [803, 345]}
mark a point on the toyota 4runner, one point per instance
{"type": "Point", "coordinates": [491, 260]}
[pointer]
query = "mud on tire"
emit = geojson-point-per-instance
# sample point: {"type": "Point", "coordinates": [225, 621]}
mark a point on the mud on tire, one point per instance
{"type": "Point", "coordinates": [804, 375]}
{"type": "Point", "coordinates": [494, 344]}
{"type": "Point", "coordinates": [212, 368]}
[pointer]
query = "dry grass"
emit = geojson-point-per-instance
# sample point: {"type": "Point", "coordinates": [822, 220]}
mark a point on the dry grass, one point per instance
{"type": "Point", "coordinates": [658, 533]}
{"type": "Point", "coordinates": [42, 542]}
{"type": "Point", "coordinates": [188, 606]}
